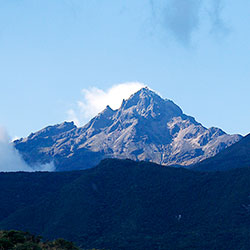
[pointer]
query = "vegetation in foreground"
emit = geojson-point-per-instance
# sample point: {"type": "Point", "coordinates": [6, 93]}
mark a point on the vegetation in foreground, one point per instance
{"type": "Point", "coordinates": [18, 240]}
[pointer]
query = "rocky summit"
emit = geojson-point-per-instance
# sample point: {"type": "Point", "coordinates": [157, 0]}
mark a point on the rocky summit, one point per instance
{"type": "Point", "coordinates": [146, 127]}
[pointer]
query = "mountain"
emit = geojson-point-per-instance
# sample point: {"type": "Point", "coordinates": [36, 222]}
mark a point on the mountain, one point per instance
{"type": "Point", "coordinates": [145, 127]}
{"type": "Point", "coordinates": [235, 156]}
{"type": "Point", "coordinates": [122, 204]}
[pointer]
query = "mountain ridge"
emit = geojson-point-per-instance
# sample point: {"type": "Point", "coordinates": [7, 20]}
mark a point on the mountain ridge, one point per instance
{"type": "Point", "coordinates": [235, 156]}
{"type": "Point", "coordinates": [145, 127]}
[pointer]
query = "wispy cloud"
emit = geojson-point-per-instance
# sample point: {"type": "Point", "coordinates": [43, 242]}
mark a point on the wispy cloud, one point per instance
{"type": "Point", "coordinates": [11, 160]}
{"type": "Point", "coordinates": [96, 99]}
{"type": "Point", "coordinates": [219, 26]}
{"type": "Point", "coordinates": [182, 18]}
{"type": "Point", "coordinates": [47, 167]}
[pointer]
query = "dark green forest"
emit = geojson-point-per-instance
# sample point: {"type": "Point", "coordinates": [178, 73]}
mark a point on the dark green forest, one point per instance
{"type": "Point", "coordinates": [122, 204]}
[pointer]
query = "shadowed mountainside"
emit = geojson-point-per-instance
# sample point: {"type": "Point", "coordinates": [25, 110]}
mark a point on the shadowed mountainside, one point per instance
{"type": "Point", "coordinates": [122, 204]}
{"type": "Point", "coordinates": [236, 156]}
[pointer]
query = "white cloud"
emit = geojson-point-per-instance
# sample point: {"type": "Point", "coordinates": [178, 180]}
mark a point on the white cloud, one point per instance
{"type": "Point", "coordinates": [11, 160]}
{"type": "Point", "coordinates": [95, 100]}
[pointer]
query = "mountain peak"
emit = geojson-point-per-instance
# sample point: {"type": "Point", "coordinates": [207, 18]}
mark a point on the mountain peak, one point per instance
{"type": "Point", "coordinates": [145, 127]}
{"type": "Point", "coordinates": [144, 97]}
{"type": "Point", "coordinates": [143, 93]}
{"type": "Point", "coordinates": [145, 102]}
{"type": "Point", "coordinates": [145, 90]}
{"type": "Point", "coordinates": [108, 111]}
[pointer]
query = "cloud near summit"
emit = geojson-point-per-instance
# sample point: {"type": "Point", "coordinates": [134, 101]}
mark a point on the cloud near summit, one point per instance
{"type": "Point", "coordinates": [95, 100]}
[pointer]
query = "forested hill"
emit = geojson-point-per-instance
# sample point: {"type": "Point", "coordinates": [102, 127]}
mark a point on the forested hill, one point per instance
{"type": "Point", "coordinates": [122, 204]}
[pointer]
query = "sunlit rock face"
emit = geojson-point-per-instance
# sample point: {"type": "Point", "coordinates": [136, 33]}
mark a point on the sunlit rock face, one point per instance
{"type": "Point", "coordinates": [145, 127]}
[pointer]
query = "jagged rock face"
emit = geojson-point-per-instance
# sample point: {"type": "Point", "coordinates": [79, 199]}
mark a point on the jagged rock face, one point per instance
{"type": "Point", "coordinates": [145, 127]}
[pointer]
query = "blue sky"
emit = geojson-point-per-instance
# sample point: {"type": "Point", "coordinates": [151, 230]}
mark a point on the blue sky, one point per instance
{"type": "Point", "coordinates": [195, 53]}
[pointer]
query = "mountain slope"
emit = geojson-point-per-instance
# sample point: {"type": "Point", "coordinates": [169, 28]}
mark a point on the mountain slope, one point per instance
{"type": "Point", "coordinates": [17, 189]}
{"type": "Point", "coordinates": [145, 127]}
{"type": "Point", "coordinates": [122, 204]}
{"type": "Point", "coordinates": [235, 156]}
